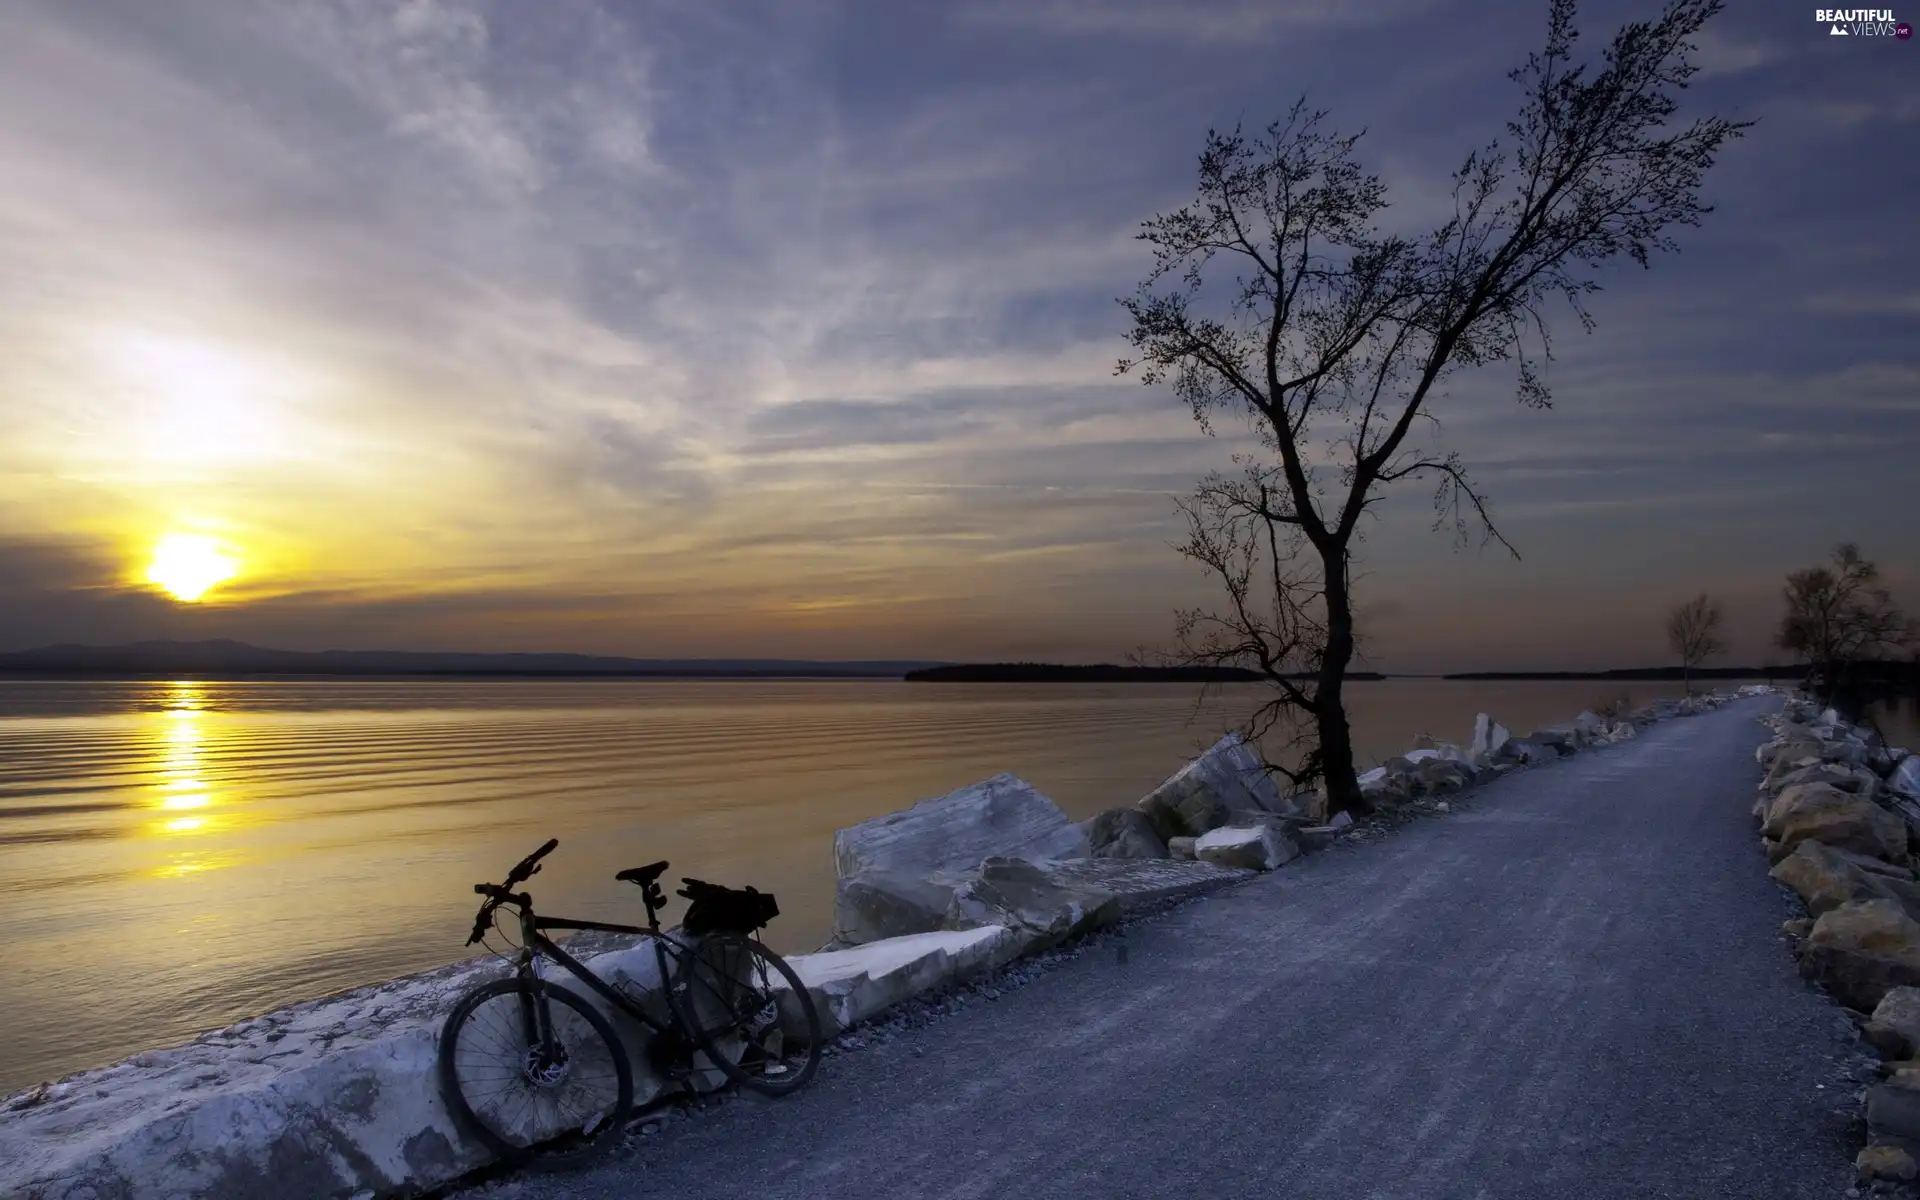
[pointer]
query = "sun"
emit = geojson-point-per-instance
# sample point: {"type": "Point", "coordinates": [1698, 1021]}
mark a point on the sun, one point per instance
{"type": "Point", "coordinates": [189, 565]}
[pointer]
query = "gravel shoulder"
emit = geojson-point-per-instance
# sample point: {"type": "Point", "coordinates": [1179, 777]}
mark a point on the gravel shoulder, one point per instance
{"type": "Point", "coordinates": [1574, 984]}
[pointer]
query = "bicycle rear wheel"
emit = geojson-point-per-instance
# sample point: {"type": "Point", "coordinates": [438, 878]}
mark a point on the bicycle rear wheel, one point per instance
{"type": "Point", "coordinates": [552, 1106]}
{"type": "Point", "coordinates": [748, 1011]}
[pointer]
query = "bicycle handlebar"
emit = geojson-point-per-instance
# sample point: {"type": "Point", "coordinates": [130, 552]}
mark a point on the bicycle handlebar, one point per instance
{"type": "Point", "coordinates": [498, 894]}
{"type": "Point", "coordinates": [530, 865]}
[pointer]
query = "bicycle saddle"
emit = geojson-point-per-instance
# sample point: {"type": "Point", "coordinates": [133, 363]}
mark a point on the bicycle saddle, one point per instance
{"type": "Point", "coordinates": [643, 875]}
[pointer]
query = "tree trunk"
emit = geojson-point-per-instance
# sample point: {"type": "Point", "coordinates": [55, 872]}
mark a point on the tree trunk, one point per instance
{"type": "Point", "coordinates": [1686, 677]}
{"type": "Point", "coordinates": [1336, 739]}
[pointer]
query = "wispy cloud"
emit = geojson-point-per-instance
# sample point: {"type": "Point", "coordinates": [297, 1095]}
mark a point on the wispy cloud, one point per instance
{"type": "Point", "coordinates": [1197, 20]}
{"type": "Point", "coordinates": [664, 327]}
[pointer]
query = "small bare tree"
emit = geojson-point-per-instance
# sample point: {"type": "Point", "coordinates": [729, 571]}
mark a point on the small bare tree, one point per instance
{"type": "Point", "coordinates": [1694, 633]}
{"type": "Point", "coordinates": [1329, 337]}
{"type": "Point", "coordinates": [1839, 615]}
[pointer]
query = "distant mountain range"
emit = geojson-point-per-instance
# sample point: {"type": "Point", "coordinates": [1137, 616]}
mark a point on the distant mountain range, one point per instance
{"type": "Point", "coordinates": [238, 658]}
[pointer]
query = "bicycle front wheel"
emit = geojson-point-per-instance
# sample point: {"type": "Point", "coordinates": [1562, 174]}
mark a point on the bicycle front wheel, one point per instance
{"type": "Point", "coordinates": [748, 1011]}
{"type": "Point", "coordinates": [555, 1101]}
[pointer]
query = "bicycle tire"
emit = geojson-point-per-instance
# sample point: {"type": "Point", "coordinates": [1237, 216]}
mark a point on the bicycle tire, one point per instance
{"type": "Point", "coordinates": [743, 1005]}
{"type": "Point", "coordinates": [563, 1150]}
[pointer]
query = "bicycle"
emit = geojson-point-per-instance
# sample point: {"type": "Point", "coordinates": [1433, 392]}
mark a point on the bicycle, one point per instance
{"type": "Point", "coordinates": [561, 1079]}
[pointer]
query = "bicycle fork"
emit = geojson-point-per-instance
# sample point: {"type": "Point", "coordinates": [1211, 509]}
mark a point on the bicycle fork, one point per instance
{"type": "Point", "coordinates": [544, 1056]}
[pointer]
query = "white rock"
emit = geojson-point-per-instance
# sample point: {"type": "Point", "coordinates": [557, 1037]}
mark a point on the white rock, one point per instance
{"type": "Point", "coordinates": [1905, 779]}
{"type": "Point", "coordinates": [323, 1099]}
{"type": "Point", "coordinates": [876, 905]}
{"type": "Point", "coordinates": [1488, 736]}
{"type": "Point", "coordinates": [848, 986]}
{"type": "Point", "coordinates": [1030, 898]}
{"type": "Point", "coordinates": [1002, 816]}
{"type": "Point", "coordinates": [1141, 884]}
{"type": "Point", "coordinates": [1421, 754]}
{"type": "Point", "coordinates": [1232, 775]}
{"type": "Point", "coordinates": [1261, 847]}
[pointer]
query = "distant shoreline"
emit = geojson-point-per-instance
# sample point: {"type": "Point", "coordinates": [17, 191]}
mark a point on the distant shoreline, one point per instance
{"type": "Point", "coordinates": [231, 660]}
{"type": "Point", "coordinates": [1091, 673]}
{"type": "Point", "coordinates": [216, 675]}
{"type": "Point", "coordinates": [1636, 674]}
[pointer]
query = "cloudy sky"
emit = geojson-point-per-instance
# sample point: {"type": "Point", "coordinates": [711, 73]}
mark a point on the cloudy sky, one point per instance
{"type": "Point", "coordinates": [727, 329]}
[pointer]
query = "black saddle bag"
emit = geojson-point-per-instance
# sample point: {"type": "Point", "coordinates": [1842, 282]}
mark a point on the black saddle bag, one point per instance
{"type": "Point", "coordinates": [718, 909]}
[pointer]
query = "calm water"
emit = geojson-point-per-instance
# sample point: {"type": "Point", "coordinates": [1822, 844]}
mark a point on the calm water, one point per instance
{"type": "Point", "coordinates": [178, 856]}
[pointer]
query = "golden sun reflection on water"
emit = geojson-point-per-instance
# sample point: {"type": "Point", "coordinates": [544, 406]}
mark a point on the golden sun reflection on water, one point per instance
{"type": "Point", "coordinates": [182, 787]}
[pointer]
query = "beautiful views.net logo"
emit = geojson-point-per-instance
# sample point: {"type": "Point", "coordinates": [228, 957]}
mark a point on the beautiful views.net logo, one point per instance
{"type": "Point", "coordinates": [1862, 22]}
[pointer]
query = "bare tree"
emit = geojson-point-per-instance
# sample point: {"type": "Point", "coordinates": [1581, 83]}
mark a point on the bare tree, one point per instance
{"type": "Point", "coordinates": [1694, 633]}
{"type": "Point", "coordinates": [1837, 616]}
{"type": "Point", "coordinates": [1331, 336]}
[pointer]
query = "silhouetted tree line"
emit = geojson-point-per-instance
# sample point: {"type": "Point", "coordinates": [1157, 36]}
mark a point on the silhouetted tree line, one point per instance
{"type": "Point", "coordinates": [1029, 672]}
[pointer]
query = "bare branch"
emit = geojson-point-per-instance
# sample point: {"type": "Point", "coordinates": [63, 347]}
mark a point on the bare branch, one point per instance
{"type": "Point", "coordinates": [1274, 296]}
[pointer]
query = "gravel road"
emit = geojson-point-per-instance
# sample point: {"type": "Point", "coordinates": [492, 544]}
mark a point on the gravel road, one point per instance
{"type": "Point", "coordinates": [1574, 985]}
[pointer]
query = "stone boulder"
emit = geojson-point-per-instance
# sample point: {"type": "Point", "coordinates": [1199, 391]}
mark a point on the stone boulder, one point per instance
{"type": "Point", "coordinates": [1792, 749]}
{"type": "Point", "coordinates": [1257, 848]}
{"type": "Point", "coordinates": [1879, 757]}
{"type": "Point", "coordinates": [1862, 950]}
{"type": "Point", "coordinates": [1199, 796]}
{"type": "Point", "coordinates": [1818, 812]}
{"type": "Point", "coordinates": [1000, 817]}
{"type": "Point", "coordinates": [1785, 774]}
{"type": "Point", "coordinates": [1044, 908]}
{"type": "Point", "coordinates": [1826, 878]}
{"type": "Point", "coordinates": [1590, 724]}
{"type": "Point", "coordinates": [1186, 806]}
{"type": "Point", "coordinates": [1885, 1160]}
{"type": "Point", "coordinates": [1143, 884]}
{"type": "Point", "coordinates": [878, 904]}
{"type": "Point", "coordinates": [1895, 1027]}
{"type": "Point", "coordinates": [1893, 1109]}
{"type": "Point", "coordinates": [331, 1098]}
{"type": "Point", "coordinates": [1852, 751]}
{"type": "Point", "coordinates": [1443, 775]}
{"type": "Point", "coordinates": [1181, 848]}
{"type": "Point", "coordinates": [1529, 752]}
{"type": "Point", "coordinates": [1381, 786]}
{"type": "Point", "coordinates": [1904, 780]}
{"type": "Point", "coordinates": [1564, 738]}
{"type": "Point", "coordinates": [1319, 837]}
{"type": "Point", "coordinates": [1489, 736]}
{"type": "Point", "coordinates": [849, 986]}
{"type": "Point", "coordinates": [1123, 833]}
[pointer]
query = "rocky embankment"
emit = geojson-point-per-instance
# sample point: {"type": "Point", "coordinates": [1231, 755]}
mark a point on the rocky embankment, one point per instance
{"type": "Point", "coordinates": [1839, 816]}
{"type": "Point", "coordinates": [335, 1099]}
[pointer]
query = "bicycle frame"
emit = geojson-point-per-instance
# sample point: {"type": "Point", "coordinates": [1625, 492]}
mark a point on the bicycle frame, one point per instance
{"type": "Point", "coordinates": [535, 944]}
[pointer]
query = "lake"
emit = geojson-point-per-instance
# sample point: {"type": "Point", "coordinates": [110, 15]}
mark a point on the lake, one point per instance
{"type": "Point", "coordinates": [179, 856]}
